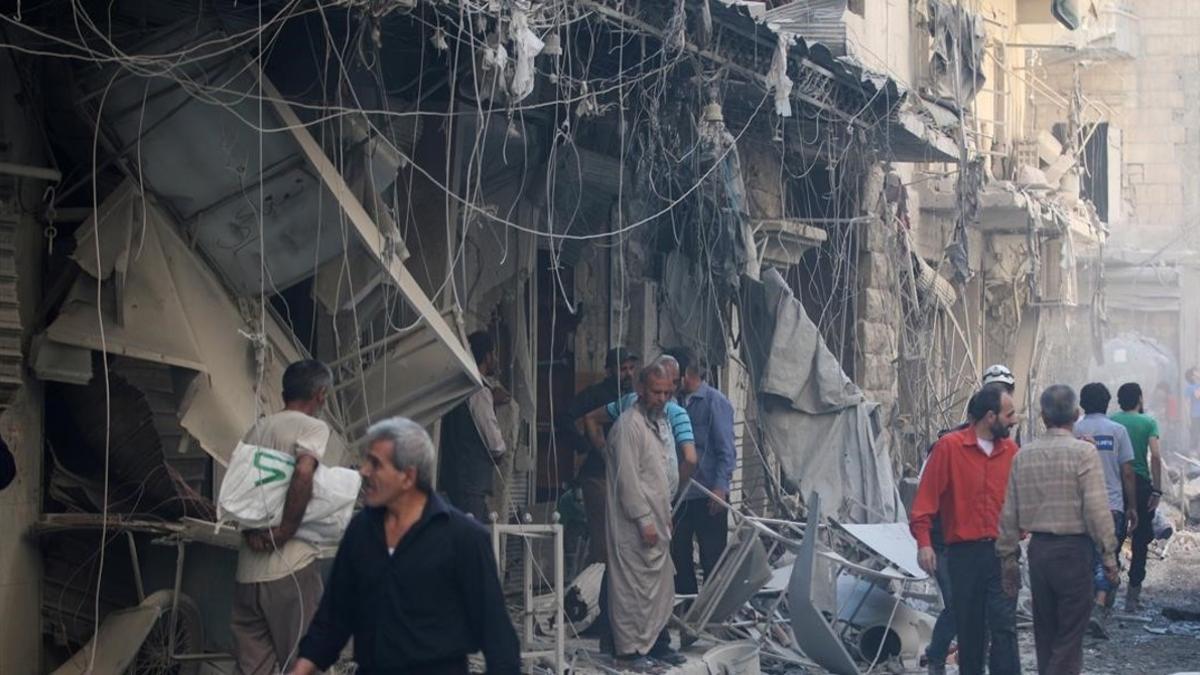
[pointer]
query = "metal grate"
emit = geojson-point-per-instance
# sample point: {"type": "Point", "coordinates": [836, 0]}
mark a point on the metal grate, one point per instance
{"type": "Point", "coordinates": [10, 317]}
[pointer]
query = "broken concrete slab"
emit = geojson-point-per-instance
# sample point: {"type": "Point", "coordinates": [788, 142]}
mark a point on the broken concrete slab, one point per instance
{"type": "Point", "coordinates": [734, 658]}
{"type": "Point", "coordinates": [1178, 614]}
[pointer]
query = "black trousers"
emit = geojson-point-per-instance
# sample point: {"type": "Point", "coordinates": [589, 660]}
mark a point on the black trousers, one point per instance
{"type": "Point", "coordinates": [1059, 578]}
{"type": "Point", "coordinates": [467, 483]}
{"type": "Point", "coordinates": [983, 611]}
{"type": "Point", "coordinates": [604, 628]}
{"type": "Point", "coordinates": [1143, 534]}
{"type": "Point", "coordinates": [693, 522]}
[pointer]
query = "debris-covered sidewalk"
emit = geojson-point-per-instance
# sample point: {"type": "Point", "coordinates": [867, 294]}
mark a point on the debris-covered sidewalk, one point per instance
{"type": "Point", "coordinates": [1150, 642]}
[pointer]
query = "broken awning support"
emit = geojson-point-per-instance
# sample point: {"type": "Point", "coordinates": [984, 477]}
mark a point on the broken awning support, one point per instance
{"type": "Point", "coordinates": [367, 230]}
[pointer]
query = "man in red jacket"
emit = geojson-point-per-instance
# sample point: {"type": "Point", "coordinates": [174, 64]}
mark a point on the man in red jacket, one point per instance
{"type": "Point", "coordinates": [964, 485]}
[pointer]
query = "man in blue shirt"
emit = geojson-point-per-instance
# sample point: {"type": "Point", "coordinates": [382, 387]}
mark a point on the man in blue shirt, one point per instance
{"type": "Point", "coordinates": [700, 519]}
{"type": "Point", "coordinates": [1116, 456]}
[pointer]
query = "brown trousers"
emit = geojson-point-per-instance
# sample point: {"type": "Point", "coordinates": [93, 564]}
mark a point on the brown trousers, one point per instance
{"type": "Point", "coordinates": [269, 618]}
{"type": "Point", "coordinates": [1060, 578]}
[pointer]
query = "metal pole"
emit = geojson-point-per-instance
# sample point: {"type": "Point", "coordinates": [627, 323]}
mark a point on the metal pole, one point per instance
{"type": "Point", "coordinates": [559, 657]}
{"type": "Point", "coordinates": [179, 554]}
{"type": "Point", "coordinates": [137, 567]}
{"type": "Point", "coordinates": [527, 634]}
{"type": "Point", "coordinates": [26, 171]}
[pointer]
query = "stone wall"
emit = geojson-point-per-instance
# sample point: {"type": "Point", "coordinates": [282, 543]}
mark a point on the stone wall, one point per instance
{"type": "Point", "coordinates": [877, 320]}
{"type": "Point", "coordinates": [1155, 100]}
{"type": "Point", "coordinates": [21, 424]}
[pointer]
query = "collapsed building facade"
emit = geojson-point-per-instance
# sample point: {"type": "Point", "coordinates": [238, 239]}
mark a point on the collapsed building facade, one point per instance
{"type": "Point", "coordinates": [848, 208]}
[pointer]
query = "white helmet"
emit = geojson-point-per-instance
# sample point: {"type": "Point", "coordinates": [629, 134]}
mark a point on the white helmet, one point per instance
{"type": "Point", "coordinates": [999, 373]}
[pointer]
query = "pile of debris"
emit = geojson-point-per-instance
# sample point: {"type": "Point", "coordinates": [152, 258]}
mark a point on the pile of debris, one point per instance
{"type": "Point", "coordinates": [845, 599]}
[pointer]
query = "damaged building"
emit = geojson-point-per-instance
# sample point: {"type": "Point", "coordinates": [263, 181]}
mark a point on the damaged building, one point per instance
{"type": "Point", "coordinates": [849, 208]}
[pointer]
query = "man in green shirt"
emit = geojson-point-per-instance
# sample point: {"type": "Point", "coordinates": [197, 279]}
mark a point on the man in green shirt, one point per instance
{"type": "Point", "coordinates": [1147, 469]}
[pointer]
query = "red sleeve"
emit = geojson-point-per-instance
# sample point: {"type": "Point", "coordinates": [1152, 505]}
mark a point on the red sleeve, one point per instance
{"type": "Point", "coordinates": [929, 492]}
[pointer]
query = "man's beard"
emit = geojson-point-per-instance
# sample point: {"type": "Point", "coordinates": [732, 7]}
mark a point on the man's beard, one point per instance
{"type": "Point", "coordinates": [653, 411]}
{"type": "Point", "coordinates": [1001, 431]}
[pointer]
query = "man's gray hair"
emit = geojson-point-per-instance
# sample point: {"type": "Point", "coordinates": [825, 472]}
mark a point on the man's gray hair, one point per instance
{"type": "Point", "coordinates": [1059, 406]}
{"type": "Point", "coordinates": [655, 369]}
{"type": "Point", "coordinates": [666, 361]}
{"type": "Point", "coordinates": [411, 447]}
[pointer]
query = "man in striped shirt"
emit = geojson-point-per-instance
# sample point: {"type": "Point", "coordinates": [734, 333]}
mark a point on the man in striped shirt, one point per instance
{"type": "Point", "coordinates": [683, 438]}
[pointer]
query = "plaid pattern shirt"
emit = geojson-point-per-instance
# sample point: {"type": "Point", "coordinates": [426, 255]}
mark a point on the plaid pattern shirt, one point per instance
{"type": "Point", "coordinates": [1057, 487]}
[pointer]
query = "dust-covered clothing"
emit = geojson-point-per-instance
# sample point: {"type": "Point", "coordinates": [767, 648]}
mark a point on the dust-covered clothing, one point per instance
{"type": "Point", "coordinates": [270, 617]}
{"type": "Point", "coordinates": [296, 434]}
{"type": "Point", "coordinates": [276, 593]}
{"type": "Point", "coordinates": [641, 577]}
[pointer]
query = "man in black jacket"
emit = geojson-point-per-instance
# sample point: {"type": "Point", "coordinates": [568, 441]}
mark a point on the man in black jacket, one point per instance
{"type": "Point", "coordinates": [620, 366]}
{"type": "Point", "coordinates": [414, 581]}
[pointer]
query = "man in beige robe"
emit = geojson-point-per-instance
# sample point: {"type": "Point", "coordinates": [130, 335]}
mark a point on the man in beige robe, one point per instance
{"type": "Point", "coordinates": [641, 574]}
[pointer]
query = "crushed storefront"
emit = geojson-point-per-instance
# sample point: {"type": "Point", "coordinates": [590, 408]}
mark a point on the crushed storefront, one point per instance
{"type": "Point", "coordinates": [238, 187]}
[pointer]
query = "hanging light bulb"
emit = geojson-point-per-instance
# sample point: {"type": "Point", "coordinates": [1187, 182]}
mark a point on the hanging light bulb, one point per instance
{"type": "Point", "coordinates": [713, 113]}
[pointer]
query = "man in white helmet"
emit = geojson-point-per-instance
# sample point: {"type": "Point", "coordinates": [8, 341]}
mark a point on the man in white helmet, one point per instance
{"type": "Point", "coordinates": [1000, 373]}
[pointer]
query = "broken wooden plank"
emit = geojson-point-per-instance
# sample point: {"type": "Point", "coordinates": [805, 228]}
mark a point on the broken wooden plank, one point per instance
{"type": "Point", "coordinates": [368, 231]}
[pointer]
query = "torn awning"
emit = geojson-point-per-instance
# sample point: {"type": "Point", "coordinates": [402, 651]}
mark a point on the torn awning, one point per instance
{"type": "Point", "coordinates": [241, 174]}
{"type": "Point", "coordinates": [815, 420]}
{"type": "Point", "coordinates": [160, 302]}
{"type": "Point", "coordinates": [957, 43]}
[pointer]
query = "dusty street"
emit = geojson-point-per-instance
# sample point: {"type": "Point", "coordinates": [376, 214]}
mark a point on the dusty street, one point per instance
{"type": "Point", "coordinates": [1160, 646]}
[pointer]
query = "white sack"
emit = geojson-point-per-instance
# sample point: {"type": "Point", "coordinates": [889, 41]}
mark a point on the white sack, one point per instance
{"type": "Point", "coordinates": [256, 484]}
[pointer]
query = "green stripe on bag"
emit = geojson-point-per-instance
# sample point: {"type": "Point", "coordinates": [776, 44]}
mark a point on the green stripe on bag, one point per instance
{"type": "Point", "coordinates": [273, 473]}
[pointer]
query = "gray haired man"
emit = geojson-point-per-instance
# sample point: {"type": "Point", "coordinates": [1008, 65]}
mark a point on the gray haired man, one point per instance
{"type": "Point", "coordinates": [640, 572]}
{"type": "Point", "coordinates": [1056, 492]}
{"type": "Point", "coordinates": [414, 581]}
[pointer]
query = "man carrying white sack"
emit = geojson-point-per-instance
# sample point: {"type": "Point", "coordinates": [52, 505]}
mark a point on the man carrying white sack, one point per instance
{"type": "Point", "coordinates": [278, 587]}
